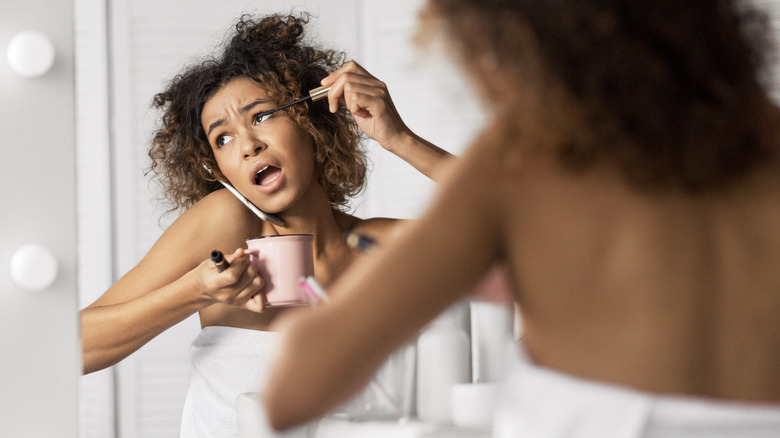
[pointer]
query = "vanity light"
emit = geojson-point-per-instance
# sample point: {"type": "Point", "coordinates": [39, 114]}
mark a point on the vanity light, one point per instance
{"type": "Point", "coordinates": [33, 267]}
{"type": "Point", "coordinates": [30, 54]}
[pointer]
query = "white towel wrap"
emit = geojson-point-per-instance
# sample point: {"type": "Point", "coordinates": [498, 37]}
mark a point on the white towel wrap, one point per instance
{"type": "Point", "coordinates": [542, 403]}
{"type": "Point", "coordinates": [226, 362]}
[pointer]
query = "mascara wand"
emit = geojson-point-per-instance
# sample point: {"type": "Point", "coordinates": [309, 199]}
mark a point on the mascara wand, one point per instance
{"type": "Point", "coordinates": [314, 95]}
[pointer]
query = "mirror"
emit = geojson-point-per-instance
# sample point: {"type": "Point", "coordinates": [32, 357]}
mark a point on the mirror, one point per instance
{"type": "Point", "coordinates": [125, 51]}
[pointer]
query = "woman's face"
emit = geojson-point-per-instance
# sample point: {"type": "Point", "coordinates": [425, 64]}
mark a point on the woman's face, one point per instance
{"type": "Point", "coordinates": [268, 159]}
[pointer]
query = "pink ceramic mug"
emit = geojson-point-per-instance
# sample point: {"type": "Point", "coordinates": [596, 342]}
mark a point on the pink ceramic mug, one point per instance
{"type": "Point", "coordinates": [281, 261]}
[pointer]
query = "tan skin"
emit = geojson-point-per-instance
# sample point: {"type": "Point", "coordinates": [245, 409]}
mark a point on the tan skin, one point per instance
{"type": "Point", "coordinates": [176, 279]}
{"type": "Point", "coordinates": [667, 293]}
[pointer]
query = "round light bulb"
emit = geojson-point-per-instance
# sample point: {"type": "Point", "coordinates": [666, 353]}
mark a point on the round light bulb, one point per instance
{"type": "Point", "coordinates": [33, 267]}
{"type": "Point", "coordinates": [30, 54]}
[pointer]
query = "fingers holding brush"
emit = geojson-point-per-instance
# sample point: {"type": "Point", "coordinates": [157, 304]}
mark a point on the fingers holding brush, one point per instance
{"type": "Point", "coordinates": [368, 99]}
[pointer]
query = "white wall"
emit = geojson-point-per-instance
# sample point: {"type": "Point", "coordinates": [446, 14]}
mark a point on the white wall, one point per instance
{"type": "Point", "coordinates": [126, 50]}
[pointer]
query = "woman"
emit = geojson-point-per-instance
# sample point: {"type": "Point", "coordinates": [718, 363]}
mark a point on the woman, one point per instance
{"type": "Point", "coordinates": [216, 127]}
{"type": "Point", "coordinates": [630, 182]}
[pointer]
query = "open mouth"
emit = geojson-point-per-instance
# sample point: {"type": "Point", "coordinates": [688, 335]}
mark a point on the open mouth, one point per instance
{"type": "Point", "coordinates": [267, 175]}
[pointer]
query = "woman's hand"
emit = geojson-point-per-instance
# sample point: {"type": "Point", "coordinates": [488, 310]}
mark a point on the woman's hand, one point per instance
{"type": "Point", "coordinates": [367, 98]}
{"type": "Point", "coordinates": [238, 285]}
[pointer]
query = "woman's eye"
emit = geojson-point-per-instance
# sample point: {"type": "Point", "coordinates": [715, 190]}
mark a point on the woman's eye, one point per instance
{"type": "Point", "coordinates": [222, 140]}
{"type": "Point", "coordinates": [262, 117]}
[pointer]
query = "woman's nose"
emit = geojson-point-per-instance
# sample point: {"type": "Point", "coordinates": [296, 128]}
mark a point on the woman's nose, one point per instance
{"type": "Point", "coordinates": [252, 146]}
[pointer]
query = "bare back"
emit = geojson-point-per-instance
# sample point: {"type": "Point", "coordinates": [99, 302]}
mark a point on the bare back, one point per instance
{"type": "Point", "coordinates": [666, 293]}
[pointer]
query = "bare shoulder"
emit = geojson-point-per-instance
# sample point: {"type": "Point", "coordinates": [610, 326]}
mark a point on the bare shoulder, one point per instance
{"type": "Point", "coordinates": [218, 205]}
{"type": "Point", "coordinates": [215, 222]}
{"type": "Point", "coordinates": [218, 221]}
{"type": "Point", "coordinates": [220, 214]}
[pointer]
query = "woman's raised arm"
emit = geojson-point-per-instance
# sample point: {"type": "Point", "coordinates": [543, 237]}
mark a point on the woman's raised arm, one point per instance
{"type": "Point", "coordinates": [368, 99]}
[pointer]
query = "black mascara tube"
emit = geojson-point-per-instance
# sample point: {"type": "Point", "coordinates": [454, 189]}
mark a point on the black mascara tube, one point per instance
{"type": "Point", "coordinates": [219, 260]}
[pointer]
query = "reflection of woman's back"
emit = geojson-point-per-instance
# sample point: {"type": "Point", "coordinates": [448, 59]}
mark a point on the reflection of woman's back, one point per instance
{"type": "Point", "coordinates": [683, 288]}
{"type": "Point", "coordinates": [639, 196]}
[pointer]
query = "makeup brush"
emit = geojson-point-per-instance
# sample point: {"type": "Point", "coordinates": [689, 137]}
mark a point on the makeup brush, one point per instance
{"type": "Point", "coordinates": [314, 95]}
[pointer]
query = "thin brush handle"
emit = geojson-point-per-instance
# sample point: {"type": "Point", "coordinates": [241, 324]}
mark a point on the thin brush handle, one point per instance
{"type": "Point", "coordinates": [315, 95]}
{"type": "Point", "coordinates": [303, 99]}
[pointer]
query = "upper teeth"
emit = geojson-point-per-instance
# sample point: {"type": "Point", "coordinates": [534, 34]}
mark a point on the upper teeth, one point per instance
{"type": "Point", "coordinates": [257, 175]}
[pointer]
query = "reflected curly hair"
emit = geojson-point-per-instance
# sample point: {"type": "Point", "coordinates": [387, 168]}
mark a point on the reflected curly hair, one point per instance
{"type": "Point", "coordinates": [270, 51]}
{"type": "Point", "coordinates": [669, 91]}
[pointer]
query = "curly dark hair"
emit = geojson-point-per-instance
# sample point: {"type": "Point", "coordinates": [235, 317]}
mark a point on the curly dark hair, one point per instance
{"type": "Point", "coordinates": [670, 91]}
{"type": "Point", "coordinates": [272, 52]}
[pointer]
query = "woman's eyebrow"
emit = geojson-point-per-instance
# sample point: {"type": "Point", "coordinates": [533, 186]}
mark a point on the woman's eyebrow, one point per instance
{"type": "Point", "coordinates": [243, 110]}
